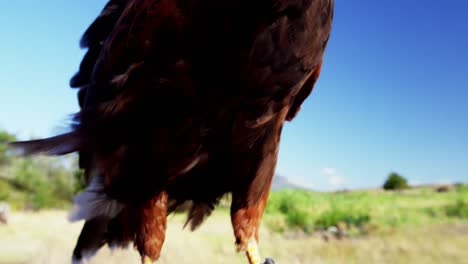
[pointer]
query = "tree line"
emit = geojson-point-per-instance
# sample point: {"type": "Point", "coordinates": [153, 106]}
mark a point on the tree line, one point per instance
{"type": "Point", "coordinates": [37, 182]}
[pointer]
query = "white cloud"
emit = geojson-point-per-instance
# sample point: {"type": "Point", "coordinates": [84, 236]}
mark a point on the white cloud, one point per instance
{"type": "Point", "coordinates": [328, 171]}
{"type": "Point", "coordinates": [334, 179]}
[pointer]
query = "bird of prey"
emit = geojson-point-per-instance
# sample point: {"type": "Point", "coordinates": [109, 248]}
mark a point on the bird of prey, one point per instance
{"type": "Point", "coordinates": [184, 101]}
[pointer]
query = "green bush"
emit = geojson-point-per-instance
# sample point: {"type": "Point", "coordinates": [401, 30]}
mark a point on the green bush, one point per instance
{"type": "Point", "coordinates": [459, 209]}
{"type": "Point", "coordinates": [42, 197]}
{"type": "Point", "coordinates": [292, 207]}
{"type": "Point", "coordinates": [80, 182]}
{"type": "Point", "coordinates": [300, 219]}
{"type": "Point", "coordinates": [4, 139]}
{"type": "Point", "coordinates": [46, 183]}
{"type": "Point", "coordinates": [395, 182]}
{"type": "Point", "coordinates": [35, 182]}
{"type": "Point", "coordinates": [363, 212]}
{"type": "Point", "coordinates": [461, 188]}
{"type": "Point", "coordinates": [337, 216]}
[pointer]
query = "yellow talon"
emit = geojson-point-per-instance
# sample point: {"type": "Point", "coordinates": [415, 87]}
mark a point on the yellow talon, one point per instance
{"type": "Point", "coordinates": [252, 252]}
{"type": "Point", "coordinates": [146, 260]}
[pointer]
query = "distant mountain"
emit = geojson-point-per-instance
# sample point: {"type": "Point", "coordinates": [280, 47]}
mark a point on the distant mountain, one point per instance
{"type": "Point", "coordinates": [281, 182]}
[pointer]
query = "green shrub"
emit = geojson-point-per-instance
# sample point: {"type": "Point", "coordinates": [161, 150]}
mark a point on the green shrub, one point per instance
{"type": "Point", "coordinates": [42, 197]}
{"type": "Point", "coordinates": [80, 183]}
{"type": "Point", "coordinates": [292, 207]}
{"type": "Point", "coordinates": [461, 188]}
{"type": "Point", "coordinates": [4, 196]}
{"type": "Point", "coordinates": [286, 200]}
{"type": "Point", "coordinates": [362, 212]}
{"type": "Point", "coordinates": [4, 139]}
{"type": "Point", "coordinates": [45, 182]}
{"type": "Point", "coordinates": [395, 182]}
{"type": "Point", "coordinates": [286, 205]}
{"type": "Point", "coordinates": [336, 216]}
{"type": "Point", "coordinates": [459, 209]}
{"type": "Point", "coordinates": [300, 219]}
{"type": "Point", "coordinates": [37, 182]}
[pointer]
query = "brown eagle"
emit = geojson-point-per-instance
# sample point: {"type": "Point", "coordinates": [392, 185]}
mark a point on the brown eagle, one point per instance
{"type": "Point", "coordinates": [184, 100]}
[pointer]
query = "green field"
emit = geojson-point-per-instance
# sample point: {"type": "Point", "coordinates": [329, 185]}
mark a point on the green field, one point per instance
{"type": "Point", "coordinates": [412, 226]}
{"type": "Point", "coordinates": [363, 212]}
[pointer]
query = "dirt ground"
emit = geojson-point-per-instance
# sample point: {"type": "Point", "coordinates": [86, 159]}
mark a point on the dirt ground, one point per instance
{"type": "Point", "coordinates": [48, 238]}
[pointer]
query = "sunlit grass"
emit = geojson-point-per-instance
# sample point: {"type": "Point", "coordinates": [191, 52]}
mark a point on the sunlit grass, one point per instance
{"type": "Point", "coordinates": [413, 226]}
{"type": "Point", "coordinates": [47, 237]}
{"type": "Point", "coordinates": [310, 210]}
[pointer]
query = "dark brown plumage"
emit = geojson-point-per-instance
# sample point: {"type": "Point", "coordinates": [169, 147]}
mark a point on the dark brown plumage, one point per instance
{"type": "Point", "coordinates": [185, 101]}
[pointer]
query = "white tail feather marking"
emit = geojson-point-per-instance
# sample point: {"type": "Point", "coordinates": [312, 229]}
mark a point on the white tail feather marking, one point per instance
{"type": "Point", "coordinates": [94, 202]}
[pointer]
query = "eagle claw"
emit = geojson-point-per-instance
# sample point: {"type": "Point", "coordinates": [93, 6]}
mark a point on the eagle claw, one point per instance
{"type": "Point", "coordinates": [269, 261]}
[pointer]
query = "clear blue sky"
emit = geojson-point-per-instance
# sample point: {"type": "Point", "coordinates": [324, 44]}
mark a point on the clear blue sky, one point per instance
{"type": "Point", "coordinates": [393, 95]}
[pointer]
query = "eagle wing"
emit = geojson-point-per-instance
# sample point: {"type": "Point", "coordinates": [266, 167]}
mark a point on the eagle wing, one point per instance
{"type": "Point", "coordinates": [156, 71]}
{"type": "Point", "coordinates": [181, 96]}
{"type": "Point", "coordinates": [93, 40]}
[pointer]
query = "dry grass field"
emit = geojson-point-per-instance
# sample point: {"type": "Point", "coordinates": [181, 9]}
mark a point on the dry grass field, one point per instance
{"type": "Point", "coordinates": [48, 238]}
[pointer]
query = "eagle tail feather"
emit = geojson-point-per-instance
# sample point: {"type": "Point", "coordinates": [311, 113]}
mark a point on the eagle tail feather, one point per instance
{"type": "Point", "coordinates": [52, 146]}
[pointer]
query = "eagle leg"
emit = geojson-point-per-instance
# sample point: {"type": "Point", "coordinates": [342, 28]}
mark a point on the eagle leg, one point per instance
{"type": "Point", "coordinates": [250, 196]}
{"type": "Point", "coordinates": [253, 254]}
{"type": "Point", "coordinates": [246, 223]}
{"type": "Point", "coordinates": [146, 260]}
{"type": "Point", "coordinates": [151, 228]}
